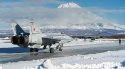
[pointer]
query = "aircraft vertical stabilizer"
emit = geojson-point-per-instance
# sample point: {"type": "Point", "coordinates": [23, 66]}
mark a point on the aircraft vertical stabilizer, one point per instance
{"type": "Point", "coordinates": [17, 29]}
{"type": "Point", "coordinates": [34, 29]}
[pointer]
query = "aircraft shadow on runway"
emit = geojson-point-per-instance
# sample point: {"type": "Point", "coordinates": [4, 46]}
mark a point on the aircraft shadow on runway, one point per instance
{"type": "Point", "coordinates": [16, 50]}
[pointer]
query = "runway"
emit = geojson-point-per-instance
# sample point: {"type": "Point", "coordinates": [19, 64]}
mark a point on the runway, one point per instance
{"type": "Point", "coordinates": [22, 54]}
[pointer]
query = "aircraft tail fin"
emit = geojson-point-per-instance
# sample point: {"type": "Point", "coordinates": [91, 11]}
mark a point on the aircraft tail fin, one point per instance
{"type": "Point", "coordinates": [17, 29]}
{"type": "Point", "coordinates": [34, 29]}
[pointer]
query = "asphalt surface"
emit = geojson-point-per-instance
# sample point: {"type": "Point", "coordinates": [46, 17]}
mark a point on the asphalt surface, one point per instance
{"type": "Point", "coordinates": [19, 54]}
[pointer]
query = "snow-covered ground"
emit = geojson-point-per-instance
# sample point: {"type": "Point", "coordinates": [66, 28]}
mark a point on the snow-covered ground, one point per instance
{"type": "Point", "coordinates": [86, 42]}
{"type": "Point", "coordinates": [106, 60]}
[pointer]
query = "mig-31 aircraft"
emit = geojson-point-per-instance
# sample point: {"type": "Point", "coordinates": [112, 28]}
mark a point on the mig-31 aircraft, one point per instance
{"type": "Point", "coordinates": [35, 38]}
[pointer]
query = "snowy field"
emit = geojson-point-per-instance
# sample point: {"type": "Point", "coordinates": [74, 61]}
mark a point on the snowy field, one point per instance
{"type": "Point", "coordinates": [105, 60]}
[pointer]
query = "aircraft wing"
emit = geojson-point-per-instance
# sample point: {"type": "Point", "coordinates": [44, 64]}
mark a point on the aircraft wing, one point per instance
{"type": "Point", "coordinates": [60, 38]}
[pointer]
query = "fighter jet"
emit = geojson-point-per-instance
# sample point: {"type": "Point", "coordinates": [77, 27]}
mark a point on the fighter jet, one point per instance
{"type": "Point", "coordinates": [35, 38]}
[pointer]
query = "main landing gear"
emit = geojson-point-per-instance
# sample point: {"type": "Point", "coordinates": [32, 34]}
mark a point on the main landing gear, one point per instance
{"type": "Point", "coordinates": [59, 47]}
{"type": "Point", "coordinates": [51, 50]}
{"type": "Point", "coordinates": [34, 51]}
{"type": "Point", "coordinates": [44, 47]}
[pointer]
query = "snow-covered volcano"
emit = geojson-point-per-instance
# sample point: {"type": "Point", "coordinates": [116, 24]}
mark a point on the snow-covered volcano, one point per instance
{"type": "Point", "coordinates": [77, 17]}
{"type": "Point", "coordinates": [69, 5]}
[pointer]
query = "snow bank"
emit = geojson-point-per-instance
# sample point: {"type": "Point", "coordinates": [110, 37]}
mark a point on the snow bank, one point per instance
{"type": "Point", "coordinates": [106, 65]}
{"type": "Point", "coordinates": [47, 64]}
{"type": "Point", "coordinates": [106, 60]}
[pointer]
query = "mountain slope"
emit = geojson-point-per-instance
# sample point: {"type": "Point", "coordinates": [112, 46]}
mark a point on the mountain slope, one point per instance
{"type": "Point", "coordinates": [72, 16]}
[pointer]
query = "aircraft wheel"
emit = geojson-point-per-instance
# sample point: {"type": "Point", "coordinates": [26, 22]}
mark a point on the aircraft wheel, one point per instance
{"type": "Point", "coordinates": [36, 50]}
{"type": "Point", "coordinates": [44, 47]}
{"type": "Point", "coordinates": [52, 50]}
{"type": "Point", "coordinates": [60, 49]}
{"type": "Point", "coordinates": [31, 49]}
